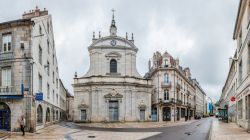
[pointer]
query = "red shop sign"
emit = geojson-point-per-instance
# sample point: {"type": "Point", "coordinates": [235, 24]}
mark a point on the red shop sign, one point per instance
{"type": "Point", "coordinates": [232, 98]}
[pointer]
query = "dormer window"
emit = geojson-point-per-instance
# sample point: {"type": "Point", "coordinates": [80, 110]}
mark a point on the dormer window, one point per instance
{"type": "Point", "coordinates": [165, 62]}
{"type": "Point", "coordinates": [113, 66]}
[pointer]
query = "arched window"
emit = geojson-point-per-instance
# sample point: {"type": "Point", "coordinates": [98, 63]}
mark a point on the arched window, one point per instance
{"type": "Point", "coordinates": [113, 66]}
{"type": "Point", "coordinates": [39, 114]}
{"type": "Point", "coordinates": [166, 78]}
{"type": "Point", "coordinates": [47, 115]}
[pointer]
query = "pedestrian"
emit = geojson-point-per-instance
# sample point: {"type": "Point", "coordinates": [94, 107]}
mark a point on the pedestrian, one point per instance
{"type": "Point", "coordinates": [22, 124]}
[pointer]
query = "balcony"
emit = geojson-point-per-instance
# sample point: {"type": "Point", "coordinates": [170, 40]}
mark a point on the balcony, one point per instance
{"type": "Point", "coordinates": [179, 102]}
{"type": "Point", "coordinates": [178, 86]}
{"type": "Point", "coordinates": [8, 91]}
{"type": "Point", "coordinates": [166, 84]}
{"type": "Point", "coordinates": [188, 93]}
{"type": "Point", "coordinates": [189, 104]}
{"type": "Point", "coordinates": [6, 55]}
{"type": "Point", "coordinates": [172, 100]}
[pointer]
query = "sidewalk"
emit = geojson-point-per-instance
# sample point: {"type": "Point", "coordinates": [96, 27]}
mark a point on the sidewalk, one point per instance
{"type": "Point", "coordinates": [228, 131]}
{"type": "Point", "coordinates": [61, 132]}
{"type": "Point", "coordinates": [135, 124]}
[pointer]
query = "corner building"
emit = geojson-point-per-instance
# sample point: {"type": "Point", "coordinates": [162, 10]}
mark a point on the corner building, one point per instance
{"type": "Point", "coordinates": [28, 67]}
{"type": "Point", "coordinates": [112, 89]}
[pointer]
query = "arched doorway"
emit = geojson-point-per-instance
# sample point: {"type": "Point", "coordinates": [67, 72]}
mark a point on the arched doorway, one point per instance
{"type": "Point", "coordinates": [39, 114]}
{"type": "Point", "coordinates": [48, 115]}
{"type": "Point", "coordinates": [5, 114]}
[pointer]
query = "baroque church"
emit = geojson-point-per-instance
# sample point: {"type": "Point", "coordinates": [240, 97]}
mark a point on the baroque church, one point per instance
{"type": "Point", "coordinates": [112, 89]}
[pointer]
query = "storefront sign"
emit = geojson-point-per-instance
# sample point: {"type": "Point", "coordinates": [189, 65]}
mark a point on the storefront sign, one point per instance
{"type": "Point", "coordinates": [232, 98]}
{"type": "Point", "coordinates": [39, 96]}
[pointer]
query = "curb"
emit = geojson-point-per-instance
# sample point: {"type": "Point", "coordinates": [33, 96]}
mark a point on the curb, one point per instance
{"type": "Point", "coordinates": [210, 130]}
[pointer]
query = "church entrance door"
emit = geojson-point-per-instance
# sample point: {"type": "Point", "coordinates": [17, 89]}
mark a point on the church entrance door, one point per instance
{"type": "Point", "coordinates": [113, 111]}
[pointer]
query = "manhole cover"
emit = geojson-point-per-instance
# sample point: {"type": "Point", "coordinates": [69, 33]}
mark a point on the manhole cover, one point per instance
{"type": "Point", "coordinates": [91, 136]}
{"type": "Point", "coordinates": [188, 133]}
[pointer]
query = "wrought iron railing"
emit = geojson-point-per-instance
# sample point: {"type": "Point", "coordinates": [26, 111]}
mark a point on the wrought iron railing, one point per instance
{"type": "Point", "coordinates": [8, 91]}
{"type": "Point", "coordinates": [6, 55]}
{"type": "Point", "coordinates": [165, 84]}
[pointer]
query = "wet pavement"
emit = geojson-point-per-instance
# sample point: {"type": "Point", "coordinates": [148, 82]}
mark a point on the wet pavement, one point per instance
{"type": "Point", "coordinates": [195, 130]}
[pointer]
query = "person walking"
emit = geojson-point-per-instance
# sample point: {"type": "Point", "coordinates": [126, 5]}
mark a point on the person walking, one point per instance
{"type": "Point", "coordinates": [22, 124]}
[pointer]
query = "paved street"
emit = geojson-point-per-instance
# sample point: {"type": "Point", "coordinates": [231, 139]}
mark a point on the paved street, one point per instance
{"type": "Point", "coordinates": [198, 130]}
{"type": "Point", "coordinates": [195, 130]}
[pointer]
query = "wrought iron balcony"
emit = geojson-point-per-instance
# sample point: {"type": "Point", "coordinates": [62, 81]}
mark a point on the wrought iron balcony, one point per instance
{"type": "Point", "coordinates": [188, 93]}
{"type": "Point", "coordinates": [8, 91]}
{"type": "Point", "coordinates": [166, 84]}
{"type": "Point", "coordinates": [172, 100]}
{"type": "Point", "coordinates": [6, 55]}
{"type": "Point", "coordinates": [189, 104]}
{"type": "Point", "coordinates": [179, 102]}
{"type": "Point", "coordinates": [178, 86]}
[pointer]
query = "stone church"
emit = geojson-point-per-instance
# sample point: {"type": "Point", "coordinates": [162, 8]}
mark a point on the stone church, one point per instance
{"type": "Point", "coordinates": [112, 90]}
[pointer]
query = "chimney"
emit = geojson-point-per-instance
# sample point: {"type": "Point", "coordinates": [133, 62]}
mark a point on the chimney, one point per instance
{"type": "Point", "coordinates": [34, 13]}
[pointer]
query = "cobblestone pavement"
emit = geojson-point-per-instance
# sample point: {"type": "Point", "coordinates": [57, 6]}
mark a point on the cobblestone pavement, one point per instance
{"type": "Point", "coordinates": [228, 131]}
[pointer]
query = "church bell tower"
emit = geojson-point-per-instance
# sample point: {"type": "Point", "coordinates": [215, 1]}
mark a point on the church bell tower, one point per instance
{"type": "Point", "coordinates": [113, 29]}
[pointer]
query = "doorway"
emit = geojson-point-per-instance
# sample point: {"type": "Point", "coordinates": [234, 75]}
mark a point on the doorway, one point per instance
{"type": "Point", "coordinates": [166, 114]}
{"type": "Point", "coordinates": [142, 114]}
{"type": "Point", "coordinates": [4, 116]}
{"type": "Point", "coordinates": [178, 113]}
{"type": "Point", "coordinates": [113, 111]}
{"type": "Point", "coordinates": [83, 115]}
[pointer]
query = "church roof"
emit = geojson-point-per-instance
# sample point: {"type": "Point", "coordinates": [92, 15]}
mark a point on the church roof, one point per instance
{"type": "Point", "coordinates": [113, 40]}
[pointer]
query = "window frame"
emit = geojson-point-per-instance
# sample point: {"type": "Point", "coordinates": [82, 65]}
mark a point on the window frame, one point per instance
{"type": "Point", "coordinates": [7, 43]}
{"type": "Point", "coordinates": [113, 66]}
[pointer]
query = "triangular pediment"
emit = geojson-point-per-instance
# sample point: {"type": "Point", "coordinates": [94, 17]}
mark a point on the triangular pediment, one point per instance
{"type": "Point", "coordinates": [113, 41]}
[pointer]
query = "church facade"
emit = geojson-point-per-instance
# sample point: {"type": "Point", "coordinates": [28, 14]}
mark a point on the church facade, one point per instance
{"type": "Point", "coordinates": [112, 90]}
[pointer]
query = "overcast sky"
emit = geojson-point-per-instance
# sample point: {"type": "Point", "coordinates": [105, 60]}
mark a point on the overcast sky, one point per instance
{"type": "Point", "coordinates": [198, 32]}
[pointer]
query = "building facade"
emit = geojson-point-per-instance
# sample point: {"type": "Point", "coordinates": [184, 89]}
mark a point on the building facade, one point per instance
{"type": "Point", "coordinates": [29, 84]}
{"type": "Point", "coordinates": [200, 100]}
{"type": "Point", "coordinates": [229, 91]}
{"type": "Point", "coordinates": [237, 85]}
{"type": "Point", "coordinates": [69, 107]}
{"type": "Point", "coordinates": [112, 89]}
{"type": "Point", "coordinates": [173, 93]}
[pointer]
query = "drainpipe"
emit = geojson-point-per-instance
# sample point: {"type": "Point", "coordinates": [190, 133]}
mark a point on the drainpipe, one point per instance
{"type": "Point", "coordinates": [174, 97]}
{"type": "Point", "coordinates": [158, 108]}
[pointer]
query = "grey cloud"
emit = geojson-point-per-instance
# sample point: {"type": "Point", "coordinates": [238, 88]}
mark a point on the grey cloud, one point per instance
{"type": "Point", "coordinates": [199, 32]}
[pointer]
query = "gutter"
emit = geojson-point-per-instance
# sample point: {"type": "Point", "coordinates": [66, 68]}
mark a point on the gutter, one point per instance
{"type": "Point", "coordinates": [210, 133]}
